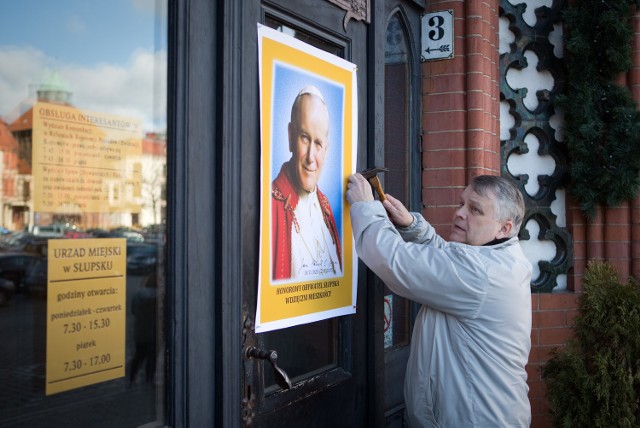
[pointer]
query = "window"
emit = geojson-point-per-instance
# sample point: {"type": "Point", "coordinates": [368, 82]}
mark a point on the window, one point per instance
{"type": "Point", "coordinates": [83, 153]}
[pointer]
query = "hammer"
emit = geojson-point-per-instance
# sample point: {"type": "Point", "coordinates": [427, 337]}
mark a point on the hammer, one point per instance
{"type": "Point", "coordinates": [371, 175]}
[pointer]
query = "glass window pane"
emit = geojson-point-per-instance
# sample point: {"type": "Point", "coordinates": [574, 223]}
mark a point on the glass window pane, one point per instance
{"type": "Point", "coordinates": [303, 350]}
{"type": "Point", "coordinates": [82, 212]}
{"type": "Point", "coordinates": [304, 36]}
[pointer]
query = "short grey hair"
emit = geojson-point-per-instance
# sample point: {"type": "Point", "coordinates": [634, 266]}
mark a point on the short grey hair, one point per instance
{"type": "Point", "coordinates": [508, 201]}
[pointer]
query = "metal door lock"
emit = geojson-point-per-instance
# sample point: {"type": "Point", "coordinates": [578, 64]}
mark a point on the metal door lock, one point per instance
{"type": "Point", "coordinates": [282, 379]}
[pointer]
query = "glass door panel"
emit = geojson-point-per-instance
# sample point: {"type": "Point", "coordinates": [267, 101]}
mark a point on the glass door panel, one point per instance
{"type": "Point", "coordinates": [82, 213]}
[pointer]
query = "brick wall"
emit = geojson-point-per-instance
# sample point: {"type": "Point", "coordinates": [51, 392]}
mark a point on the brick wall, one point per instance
{"type": "Point", "coordinates": [553, 316]}
{"type": "Point", "coordinates": [460, 125]}
{"type": "Point", "coordinates": [460, 121]}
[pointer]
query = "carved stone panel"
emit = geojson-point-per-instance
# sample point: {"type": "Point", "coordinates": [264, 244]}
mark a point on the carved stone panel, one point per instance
{"type": "Point", "coordinates": [360, 10]}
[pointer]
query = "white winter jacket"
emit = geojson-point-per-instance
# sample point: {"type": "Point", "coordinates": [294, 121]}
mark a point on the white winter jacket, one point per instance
{"type": "Point", "coordinates": [472, 336]}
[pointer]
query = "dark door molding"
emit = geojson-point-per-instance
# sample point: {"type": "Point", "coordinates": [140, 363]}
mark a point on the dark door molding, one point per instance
{"type": "Point", "coordinates": [194, 215]}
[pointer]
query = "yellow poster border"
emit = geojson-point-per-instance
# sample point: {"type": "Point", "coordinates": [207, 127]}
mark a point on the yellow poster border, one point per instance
{"type": "Point", "coordinates": [296, 302]}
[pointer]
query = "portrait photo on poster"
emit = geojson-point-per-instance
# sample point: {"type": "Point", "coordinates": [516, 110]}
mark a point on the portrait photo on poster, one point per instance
{"type": "Point", "coordinates": [308, 132]}
{"type": "Point", "coordinates": [306, 171]}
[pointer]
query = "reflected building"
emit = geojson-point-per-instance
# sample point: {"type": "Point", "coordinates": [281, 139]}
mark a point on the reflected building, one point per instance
{"type": "Point", "coordinates": [15, 183]}
{"type": "Point", "coordinates": [17, 186]}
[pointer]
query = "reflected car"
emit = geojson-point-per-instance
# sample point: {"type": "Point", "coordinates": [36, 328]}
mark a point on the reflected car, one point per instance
{"type": "Point", "coordinates": [14, 267]}
{"type": "Point", "coordinates": [24, 242]}
{"type": "Point", "coordinates": [49, 231]}
{"type": "Point", "coordinates": [98, 233]}
{"type": "Point", "coordinates": [35, 280]}
{"type": "Point", "coordinates": [141, 258]}
{"type": "Point", "coordinates": [154, 233]}
{"type": "Point", "coordinates": [7, 289]}
{"type": "Point", "coordinates": [128, 234]}
{"type": "Point", "coordinates": [15, 241]}
{"type": "Point", "coordinates": [77, 234]}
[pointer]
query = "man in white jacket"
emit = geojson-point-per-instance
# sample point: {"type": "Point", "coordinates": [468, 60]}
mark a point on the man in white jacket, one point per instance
{"type": "Point", "coordinates": [472, 336]}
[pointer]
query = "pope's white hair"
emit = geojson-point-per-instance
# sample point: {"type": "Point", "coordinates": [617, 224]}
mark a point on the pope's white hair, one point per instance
{"type": "Point", "coordinates": [311, 90]}
{"type": "Point", "coordinates": [307, 90]}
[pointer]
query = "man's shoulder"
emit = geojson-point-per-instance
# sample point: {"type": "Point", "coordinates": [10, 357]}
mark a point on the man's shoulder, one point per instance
{"type": "Point", "coordinates": [507, 253]}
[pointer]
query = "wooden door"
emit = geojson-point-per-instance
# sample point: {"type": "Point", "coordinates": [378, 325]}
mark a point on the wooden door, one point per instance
{"type": "Point", "coordinates": [326, 360]}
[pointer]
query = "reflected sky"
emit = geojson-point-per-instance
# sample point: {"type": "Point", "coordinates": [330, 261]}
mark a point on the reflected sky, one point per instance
{"type": "Point", "coordinates": [111, 54]}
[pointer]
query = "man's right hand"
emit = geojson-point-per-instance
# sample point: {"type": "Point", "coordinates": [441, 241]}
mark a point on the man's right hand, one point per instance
{"type": "Point", "coordinates": [358, 189]}
{"type": "Point", "coordinates": [397, 212]}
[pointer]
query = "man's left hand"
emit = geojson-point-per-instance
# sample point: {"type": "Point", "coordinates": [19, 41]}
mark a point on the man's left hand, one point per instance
{"type": "Point", "coordinates": [358, 189]}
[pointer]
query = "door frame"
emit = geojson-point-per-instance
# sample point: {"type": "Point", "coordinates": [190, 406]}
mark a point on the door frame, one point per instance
{"type": "Point", "coordinates": [194, 361]}
{"type": "Point", "coordinates": [393, 362]}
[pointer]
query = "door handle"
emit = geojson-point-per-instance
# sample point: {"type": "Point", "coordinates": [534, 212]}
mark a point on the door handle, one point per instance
{"type": "Point", "coordinates": [282, 379]}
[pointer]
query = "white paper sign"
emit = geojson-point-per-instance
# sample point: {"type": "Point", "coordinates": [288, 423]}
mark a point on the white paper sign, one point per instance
{"type": "Point", "coordinates": [437, 35]}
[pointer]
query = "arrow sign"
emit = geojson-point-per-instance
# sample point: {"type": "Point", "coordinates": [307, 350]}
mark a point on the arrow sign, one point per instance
{"type": "Point", "coordinates": [437, 35]}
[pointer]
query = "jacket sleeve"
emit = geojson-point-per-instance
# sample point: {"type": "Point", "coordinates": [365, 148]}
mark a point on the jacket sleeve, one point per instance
{"type": "Point", "coordinates": [421, 232]}
{"type": "Point", "coordinates": [446, 277]}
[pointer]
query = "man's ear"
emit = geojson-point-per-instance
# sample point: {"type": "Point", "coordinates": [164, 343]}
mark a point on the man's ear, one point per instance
{"type": "Point", "coordinates": [291, 133]}
{"type": "Point", "coordinates": [505, 229]}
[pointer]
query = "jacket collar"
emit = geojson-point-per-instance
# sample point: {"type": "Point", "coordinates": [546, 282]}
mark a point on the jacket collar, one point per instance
{"type": "Point", "coordinates": [496, 242]}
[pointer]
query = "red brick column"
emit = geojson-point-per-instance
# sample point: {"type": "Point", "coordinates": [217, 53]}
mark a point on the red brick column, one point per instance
{"type": "Point", "coordinates": [553, 316]}
{"type": "Point", "coordinates": [595, 236]}
{"type": "Point", "coordinates": [577, 226]}
{"type": "Point", "coordinates": [634, 220]}
{"type": "Point", "coordinates": [460, 121]}
{"type": "Point", "coordinates": [482, 74]}
{"type": "Point", "coordinates": [634, 86]}
{"type": "Point", "coordinates": [617, 239]}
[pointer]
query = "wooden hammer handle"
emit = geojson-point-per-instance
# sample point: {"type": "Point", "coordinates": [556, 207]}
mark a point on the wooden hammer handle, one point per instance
{"type": "Point", "coordinates": [375, 183]}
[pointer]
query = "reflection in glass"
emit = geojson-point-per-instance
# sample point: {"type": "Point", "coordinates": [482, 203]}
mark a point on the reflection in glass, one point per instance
{"type": "Point", "coordinates": [304, 36]}
{"type": "Point", "coordinates": [83, 162]}
{"type": "Point", "coordinates": [303, 350]}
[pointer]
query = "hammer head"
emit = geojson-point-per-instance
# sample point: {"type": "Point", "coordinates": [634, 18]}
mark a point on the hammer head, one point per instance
{"type": "Point", "coordinates": [372, 172]}
{"type": "Point", "coordinates": [371, 175]}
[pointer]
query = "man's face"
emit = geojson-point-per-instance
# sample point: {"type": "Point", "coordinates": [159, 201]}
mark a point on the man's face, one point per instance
{"type": "Point", "coordinates": [308, 141]}
{"type": "Point", "coordinates": [474, 221]}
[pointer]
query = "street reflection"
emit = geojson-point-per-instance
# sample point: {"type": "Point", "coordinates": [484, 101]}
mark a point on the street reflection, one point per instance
{"type": "Point", "coordinates": [83, 159]}
{"type": "Point", "coordinates": [22, 370]}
